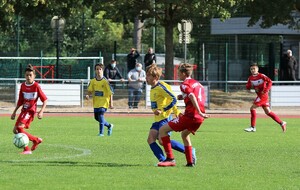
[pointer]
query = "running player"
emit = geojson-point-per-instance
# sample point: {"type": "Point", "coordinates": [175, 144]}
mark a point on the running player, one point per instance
{"type": "Point", "coordinates": [261, 84]}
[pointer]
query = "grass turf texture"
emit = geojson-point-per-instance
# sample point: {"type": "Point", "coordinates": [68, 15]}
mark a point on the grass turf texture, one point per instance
{"type": "Point", "coordinates": [72, 156]}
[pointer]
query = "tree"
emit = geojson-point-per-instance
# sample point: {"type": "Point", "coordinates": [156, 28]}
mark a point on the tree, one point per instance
{"type": "Point", "coordinates": [271, 12]}
{"type": "Point", "coordinates": [167, 14]}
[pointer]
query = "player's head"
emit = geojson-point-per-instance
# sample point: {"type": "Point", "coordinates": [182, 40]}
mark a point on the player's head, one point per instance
{"type": "Point", "coordinates": [99, 67]}
{"type": "Point", "coordinates": [254, 68]}
{"type": "Point", "coordinates": [29, 74]}
{"type": "Point", "coordinates": [153, 74]}
{"type": "Point", "coordinates": [185, 70]}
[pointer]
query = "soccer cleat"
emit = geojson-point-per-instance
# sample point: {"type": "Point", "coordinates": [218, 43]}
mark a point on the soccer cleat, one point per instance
{"type": "Point", "coordinates": [100, 135]}
{"type": "Point", "coordinates": [35, 144]}
{"type": "Point", "coordinates": [168, 162]}
{"type": "Point", "coordinates": [26, 152]}
{"type": "Point", "coordinates": [283, 126]}
{"type": "Point", "coordinates": [194, 156]}
{"type": "Point", "coordinates": [190, 165]}
{"type": "Point", "coordinates": [250, 129]}
{"type": "Point", "coordinates": [109, 132]}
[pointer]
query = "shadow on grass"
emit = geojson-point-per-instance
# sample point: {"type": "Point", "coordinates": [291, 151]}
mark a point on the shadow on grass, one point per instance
{"type": "Point", "coordinates": [69, 163]}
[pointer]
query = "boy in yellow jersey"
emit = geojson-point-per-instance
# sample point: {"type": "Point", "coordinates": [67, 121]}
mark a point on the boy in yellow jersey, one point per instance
{"type": "Point", "coordinates": [163, 104]}
{"type": "Point", "coordinates": [100, 89]}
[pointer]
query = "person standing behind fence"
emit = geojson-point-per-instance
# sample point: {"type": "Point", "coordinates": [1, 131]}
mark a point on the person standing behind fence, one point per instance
{"type": "Point", "coordinates": [261, 84]}
{"type": "Point", "coordinates": [132, 59]}
{"type": "Point", "coordinates": [101, 91]}
{"type": "Point", "coordinates": [290, 66]}
{"type": "Point", "coordinates": [136, 79]}
{"type": "Point", "coordinates": [29, 94]}
{"type": "Point", "coordinates": [149, 57]}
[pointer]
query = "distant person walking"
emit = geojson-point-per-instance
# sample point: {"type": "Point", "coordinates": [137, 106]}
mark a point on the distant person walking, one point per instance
{"type": "Point", "coordinates": [289, 66]}
{"type": "Point", "coordinates": [149, 57]}
{"type": "Point", "coordinates": [132, 59]}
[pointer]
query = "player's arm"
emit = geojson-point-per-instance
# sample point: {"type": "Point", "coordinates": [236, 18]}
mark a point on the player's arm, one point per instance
{"type": "Point", "coordinates": [193, 99]}
{"type": "Point", "coordinates": [89, 91]}
{"type": "Point", "coordinates": [41, 112]}
{"type": "Point", "coordinates": [268, 82]}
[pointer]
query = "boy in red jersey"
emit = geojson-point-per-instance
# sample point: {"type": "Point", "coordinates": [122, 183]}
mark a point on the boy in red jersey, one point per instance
{"type": "Point", "coordinates": [261, 84]}
{"type": "Point", "coordinates": [194, 98]}
{"type": "Point", "coordinates": [29, 93]}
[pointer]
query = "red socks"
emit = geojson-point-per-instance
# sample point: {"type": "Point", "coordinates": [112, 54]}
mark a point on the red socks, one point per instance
{"type": "Point", "coordinates": [167, 146]}
{"type": "Point", "coordinates": [275, 117]}
{"type": "Point", "coordinates": [31, 137]}
{"type": "Point", "coordinates": [188, 154]}
{"type": "Point", "coordinates": [253, 118]}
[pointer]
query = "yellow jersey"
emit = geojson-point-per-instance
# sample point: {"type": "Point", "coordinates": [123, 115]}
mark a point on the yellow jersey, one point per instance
{"type": "Point", "coordinates": [101, 92]}
{"type": "Point", "coordinates": [162, 98]}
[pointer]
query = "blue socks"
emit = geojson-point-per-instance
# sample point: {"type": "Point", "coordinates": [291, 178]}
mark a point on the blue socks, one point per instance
{"type": "Point", "coordinates": [157, 151]}
{"type": "Point", "coordinates": [177, 146]}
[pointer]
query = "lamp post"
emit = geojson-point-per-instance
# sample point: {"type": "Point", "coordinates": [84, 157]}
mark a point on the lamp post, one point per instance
{"type": "Point", "coordinates": [57, 25]}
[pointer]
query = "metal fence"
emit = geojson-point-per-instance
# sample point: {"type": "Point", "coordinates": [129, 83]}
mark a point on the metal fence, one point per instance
{"type": "Point", "coordinates": [222, 94]}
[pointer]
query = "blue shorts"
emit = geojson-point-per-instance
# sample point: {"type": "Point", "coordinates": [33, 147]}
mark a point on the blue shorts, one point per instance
{"type": "Point", "coordinates": [159, 124]}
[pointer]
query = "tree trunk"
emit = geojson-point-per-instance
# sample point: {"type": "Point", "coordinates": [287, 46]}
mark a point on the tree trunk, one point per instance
{"type": "Point", "coordinates": [137, 37]}
{"type": "Point", "coordinates": [169, 58]}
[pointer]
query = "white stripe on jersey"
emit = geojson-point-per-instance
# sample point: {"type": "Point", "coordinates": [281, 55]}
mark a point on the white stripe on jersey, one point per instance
{"type": "Point", "coordinates": [257, 82]}
{"type": "Point", "coordinates": [30, 95]}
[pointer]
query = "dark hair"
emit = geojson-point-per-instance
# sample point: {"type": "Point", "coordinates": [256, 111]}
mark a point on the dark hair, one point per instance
{"type": "Point", "coordinates": [29, 68]}
{"type": "Point", "coordinates": [100, 65]}
{"type": "Point", "coordinates": [253, 64]}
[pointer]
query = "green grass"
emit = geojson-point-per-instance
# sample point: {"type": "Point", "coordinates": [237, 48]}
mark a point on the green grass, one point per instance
{"type": "Point", "coordinates": [73, 157]}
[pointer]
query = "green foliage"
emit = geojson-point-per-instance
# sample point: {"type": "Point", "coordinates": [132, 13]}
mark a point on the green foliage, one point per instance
{"type": "Point", "coordinates": [72, 156]}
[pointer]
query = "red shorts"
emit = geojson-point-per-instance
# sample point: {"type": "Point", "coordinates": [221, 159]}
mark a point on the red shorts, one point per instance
{"type": "Point", "coordinates": [183, 122]}
{"type": "Point", "coordinates": [262, 101]}
{"type": "Point", "coordinates": [25, 117]}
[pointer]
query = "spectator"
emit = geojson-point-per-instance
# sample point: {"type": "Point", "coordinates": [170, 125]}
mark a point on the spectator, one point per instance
{"type": "Point", "coordinates": [132, 59]}
{"type": "Point", "coordinates": [290, 66]}
{"type": "Point", "coordinates": [112, 72]}
{"type": "Point", "coordinates": [136, 79]}
{"type": "Point", "coordinates": [149, 57]}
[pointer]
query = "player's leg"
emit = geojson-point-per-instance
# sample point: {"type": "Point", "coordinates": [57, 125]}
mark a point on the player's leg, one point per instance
{"type": "Point", "coordinates": [252, 127]}
{"type": "Point", "coordinates": [185, 135]}
{"type": "Point", "coordinates": [165, 138]}
{"type": "Point", "coordinates": [19, 128]}
{"type": "Point", "coordinates": [157, 151]}
{"type": "Point", "coordinates": [271, 114]}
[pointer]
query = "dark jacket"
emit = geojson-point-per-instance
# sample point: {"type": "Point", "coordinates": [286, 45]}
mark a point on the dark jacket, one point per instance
{"type": "Point", "coordinates": [149, 58]}
{"type": "Point", "coordinates": [112, 73]}
{"type": "Point", "coordinates": [131, 60]}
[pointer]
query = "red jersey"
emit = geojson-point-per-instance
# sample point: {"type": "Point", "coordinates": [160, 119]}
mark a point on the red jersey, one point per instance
{"type": "Point", "coordinates": [28, 96]}
{"type": "Point", "coordinates": [261, 84]}
{"type": "Point", "coordinates": [188, 87]}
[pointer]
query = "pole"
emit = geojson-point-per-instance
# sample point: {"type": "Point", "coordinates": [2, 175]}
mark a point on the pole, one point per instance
{"type": "Point", "coordinates": [57, 47]}
{"type": "Point", "coordinates": [226, 67]}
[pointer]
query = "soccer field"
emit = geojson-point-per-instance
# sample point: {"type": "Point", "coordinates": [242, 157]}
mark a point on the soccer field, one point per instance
{"type": "Point", "coordinates": [72, 156]}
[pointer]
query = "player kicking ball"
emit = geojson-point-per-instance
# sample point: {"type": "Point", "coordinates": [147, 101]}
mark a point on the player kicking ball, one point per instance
{"type": "Point", "coordinates": [194, 98]}
{"type": "Point", "coordinates": [262, 85]}
{"type": "Point", "coordinates": [29, 94]}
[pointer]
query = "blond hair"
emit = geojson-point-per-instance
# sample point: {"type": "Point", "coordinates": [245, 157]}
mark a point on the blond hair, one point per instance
{"type": "Point", "coordinates": [154, 70]}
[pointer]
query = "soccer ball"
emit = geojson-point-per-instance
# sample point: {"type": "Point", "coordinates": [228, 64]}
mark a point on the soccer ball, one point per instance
{"type": "Point", "coordinates": [21, 140]}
